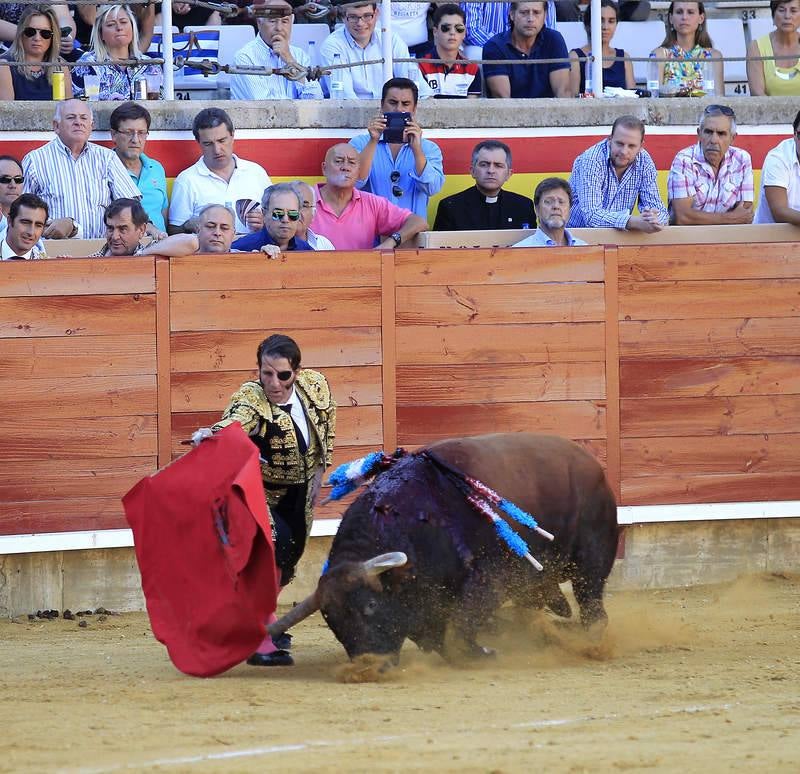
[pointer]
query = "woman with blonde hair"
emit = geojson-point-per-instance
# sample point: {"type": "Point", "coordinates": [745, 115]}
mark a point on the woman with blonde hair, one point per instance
{"type": "Point", "coordinates": [779, 76]}
{"type": "Point", "coordinates": [115, 38]}
{"type": "Point", "coordinates": [687, 38]}
{"type": "Point", "coordinates": [36, 44]}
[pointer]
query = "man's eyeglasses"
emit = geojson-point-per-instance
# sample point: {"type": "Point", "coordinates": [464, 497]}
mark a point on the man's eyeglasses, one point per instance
{"type": "Point", "coordinates": [715, 109]}
{"type": "Point", "coordinates": [131, 133]}
{"type": "Point", "coordinates": [459, 28]}
{"type": "Point", "coordinates": [366, 18]}
{"type": "Point", "coordinates": [6, 179]}
{"type": "Point", "coordinates": [293, 215]}
{"type": "Point", "coordinates": [30, 32]}
{"type": "Point", "coordinates": [396, 189]}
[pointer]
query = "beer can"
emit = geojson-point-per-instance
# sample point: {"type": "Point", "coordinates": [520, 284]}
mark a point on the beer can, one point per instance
{"type": "Point", "coordinates": [59, 87]}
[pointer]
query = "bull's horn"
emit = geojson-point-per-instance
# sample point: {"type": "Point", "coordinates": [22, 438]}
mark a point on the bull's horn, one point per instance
{"type": "Point", "coordinates": [299, 612]}
{"type": "Point", "coordinates": [384, 562]}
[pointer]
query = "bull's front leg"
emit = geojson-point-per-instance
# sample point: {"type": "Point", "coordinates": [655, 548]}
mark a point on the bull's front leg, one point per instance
{"type": "Point", "coordinates": [479, 598]}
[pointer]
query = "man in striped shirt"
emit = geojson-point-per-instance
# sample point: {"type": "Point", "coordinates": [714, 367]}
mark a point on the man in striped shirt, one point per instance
{"type": "Point", "coordinates": [76, 178]}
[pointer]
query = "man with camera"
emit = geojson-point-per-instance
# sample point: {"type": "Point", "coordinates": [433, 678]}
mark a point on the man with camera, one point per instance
{"type": "Point", "coordinates": [395, 161]}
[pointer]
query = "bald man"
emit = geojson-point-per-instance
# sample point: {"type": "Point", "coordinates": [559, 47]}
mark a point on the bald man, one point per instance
{"type": "Point", "coordinates": [357, 220]}
{"type": "Point", "coordinates": [216, 229]}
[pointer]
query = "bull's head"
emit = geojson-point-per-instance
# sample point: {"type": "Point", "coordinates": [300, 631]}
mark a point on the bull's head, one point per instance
{"type": "Point", "coordinates": [364, 616]}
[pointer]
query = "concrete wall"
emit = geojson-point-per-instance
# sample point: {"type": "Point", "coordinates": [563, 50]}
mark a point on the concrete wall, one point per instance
{"type": "Point", "coordinates": [656, 556]}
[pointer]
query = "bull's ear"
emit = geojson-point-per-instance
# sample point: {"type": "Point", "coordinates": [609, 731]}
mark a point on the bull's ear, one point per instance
{"type": "Point", "coordinates": [384, 562]}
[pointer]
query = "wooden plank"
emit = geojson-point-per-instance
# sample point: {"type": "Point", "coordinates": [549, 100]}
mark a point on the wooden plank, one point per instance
{"type": "Point", "coordinates": [649, 263]}
{"type": "Point", "coordinates": [389, 349]}
{"type": "Point", "coordinates": [702, 455]}
{"type": "Point", "coordinates": [698, 300]}
{"type": "Point", "coordinates": [452, 385]}
{"type": "Point", "coordinates": [354, 386]}
{"type": "Point", "coordinates": [90, 477]}
{"type": "Point", "coordinates": [93, 396]}
{"type": "Point", "coordinates": [163, 355]}
{"type": "Point", "coordinates": [612, 370]}
{"type": "Point", "coordinates": [706, 376]}
{"type": "Point", "coordinates": [252, 271]}
{"type": "Point", "coordinates": [76, 315]}
{"type": "Point", "coordinates": [78, 277]}
{"type": "Point", "coordinates": [486, 305]}
{"type": "Point", "coordinates": [236, 350]}
{"type": "Point", "coordinates": [535, 343]}
{"type": "Point", "coordinates": [264, 309]}
{"type": "Point", "coordinates": [355, 426]}
{"type": "Point", "coordinates": [83, 513]}
{"type": "Point", "coordinates": [78, 357]}
{"type": "Point", "coordinates": [499, 266]}
{"type": "Point", "coordinates": [573, 419]}
{"type": "Point", "coordinates": [744, 415]}
{"type": "Point", "coordinates": [34, 438]}
{"type": "Point", "coordinates": [744, 487]}
{"type": "Point", "coordinates": [738, 336]}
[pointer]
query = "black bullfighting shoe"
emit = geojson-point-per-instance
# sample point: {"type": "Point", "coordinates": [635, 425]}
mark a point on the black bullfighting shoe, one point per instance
{"type": "Point", "coordinates": [283, 642]}
{"type": "Point", "coordinates": [276, 658]}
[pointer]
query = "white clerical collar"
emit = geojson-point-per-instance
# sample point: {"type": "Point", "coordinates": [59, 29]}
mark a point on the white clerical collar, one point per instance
{"type": "Point", "coordinates": [492, 199]}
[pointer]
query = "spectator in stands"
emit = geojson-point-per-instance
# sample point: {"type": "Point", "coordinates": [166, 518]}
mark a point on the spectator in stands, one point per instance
{"type": "Point", "coordinates": [779, 199]}
{"type": "Point", "coordinates": [187, 15]}
{"type": "Point", "coordinates": [359, 41]}
{"type": "Point", "coordinates": [281, 206]}
{"type": "Point", "coordinates": [615, 73]}
{"type": "Point", "coordinates": [11, 18]}
{"type": "Point", "coordinates": [218, 176]}
{"type": "Point", "coordinates": [115, 38]}
{"type": "Point", "coordinates": [357, 220]}
{"type": "Point", "coordinates": [11, 180]}
{"type": "Point", "coordinates": [686, 38]}
{"type": "Point", "coordinates": [778, 77]}
{"type": "Point", "coordinates": [410, 24]}
{"type": "Point", "coordinates": [456, 77]}
{"type": "Point", "coordinates": [130, 125]}
{"type": "Point", "coordinates": [126, 234]}
{"type": "Point", "coordinates": [76, 178]}
{"type": "Point", "coordinates": [308, 199]}
{"type": "Point", "coordinates": [406, 173]}
{"type": "Point", "coordinates": [486, 205]}
{"type": "Point", "coordinates": [552, 200]}
{"type": "Point", "coordinates": [215, 229]}
{"type": "Point", "coordinates": [528, 39]}
{"type": "Point", "coordinates": [22, 237]}
{"type": "Point", "coordinates": [609, 179]}
{"type": "Point", "coordinates": [711, 182]}
{"type": "Point", "coordinates": [271, 48]}
{"type": "Point", "coordinates": [37, 42]}
{"type": "Point", "coordinates": [86, 15]}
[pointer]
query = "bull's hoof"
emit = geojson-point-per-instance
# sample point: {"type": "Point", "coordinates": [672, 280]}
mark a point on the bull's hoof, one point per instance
{"type": "Point", "coordinates": [283, 641]}
{"type": "Point", "coordinates": [276, 658]}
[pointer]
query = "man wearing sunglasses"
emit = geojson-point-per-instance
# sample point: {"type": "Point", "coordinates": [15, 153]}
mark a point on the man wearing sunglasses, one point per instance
{"type": "Point", "coordinates": [290, 415]}
{"type": "Point", "coordinates": [711, 182]}
{"type": "Point", "coordinates": [456, 78]}
{"type": "Point", "coordinates": [281, 206]}
{"type": "Point", "coordinates": [408, 172]}
{"type": "Point", "coordinates": [11, 181]}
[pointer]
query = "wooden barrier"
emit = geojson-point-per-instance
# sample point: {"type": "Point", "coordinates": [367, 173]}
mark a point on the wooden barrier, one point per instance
{"type": "Point", "coordinates": [678, 368]}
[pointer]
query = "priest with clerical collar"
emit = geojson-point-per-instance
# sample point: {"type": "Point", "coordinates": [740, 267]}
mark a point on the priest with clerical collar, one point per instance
{"type": "Point", "coordinates": [26, 220]}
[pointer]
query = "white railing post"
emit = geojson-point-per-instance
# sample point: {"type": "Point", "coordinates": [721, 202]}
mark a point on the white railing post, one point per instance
{"type": "Point", "coordinates": [386, 39]}
{"type": "Point", "coordinates": [166, 50]}
{"type": "Point", "coordinates": [597, 50]}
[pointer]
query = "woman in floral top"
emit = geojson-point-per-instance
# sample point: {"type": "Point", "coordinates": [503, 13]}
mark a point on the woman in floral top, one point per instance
{"type": "Point", "coordinates": [114, 37]}
{"type": "Point", "coordinates": [687, 38]}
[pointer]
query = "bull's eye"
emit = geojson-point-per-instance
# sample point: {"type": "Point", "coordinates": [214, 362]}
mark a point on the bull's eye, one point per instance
{"type": "Point", "coordinates": [371, 607]}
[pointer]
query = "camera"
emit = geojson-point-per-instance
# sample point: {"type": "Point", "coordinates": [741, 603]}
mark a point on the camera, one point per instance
{"type": "Point", "coordinates": [65, 31]}
{"type": "Point", "coordinates": [395, 126]}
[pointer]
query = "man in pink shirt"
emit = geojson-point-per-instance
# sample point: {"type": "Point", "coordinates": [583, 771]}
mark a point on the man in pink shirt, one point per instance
{"type": "Point", "coordinates": [353, 219]}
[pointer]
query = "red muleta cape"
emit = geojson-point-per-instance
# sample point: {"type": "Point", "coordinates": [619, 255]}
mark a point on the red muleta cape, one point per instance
{"type": "Point", "coordinates": [204, 547]}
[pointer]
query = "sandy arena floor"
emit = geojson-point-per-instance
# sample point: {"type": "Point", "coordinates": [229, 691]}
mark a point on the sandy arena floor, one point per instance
{"type": "Point", "coordinates": [690, 680]}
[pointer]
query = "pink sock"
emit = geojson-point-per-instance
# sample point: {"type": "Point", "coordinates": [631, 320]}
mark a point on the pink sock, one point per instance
{"type": "Point", "coordinates": [267, 645]}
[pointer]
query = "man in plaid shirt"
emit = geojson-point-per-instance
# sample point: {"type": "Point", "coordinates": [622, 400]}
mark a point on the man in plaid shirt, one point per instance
{"type": "Point", "coordinates": [711, 182]}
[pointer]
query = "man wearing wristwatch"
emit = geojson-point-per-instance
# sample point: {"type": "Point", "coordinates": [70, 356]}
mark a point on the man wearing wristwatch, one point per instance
{"type": "Point", "coordinates": [357, 220]}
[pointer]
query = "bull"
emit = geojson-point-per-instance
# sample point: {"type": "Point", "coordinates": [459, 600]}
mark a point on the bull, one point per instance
{"type": "Point", "coordinates": [412, 556]}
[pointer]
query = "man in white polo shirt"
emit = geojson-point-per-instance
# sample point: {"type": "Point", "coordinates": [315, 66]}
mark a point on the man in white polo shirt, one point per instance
{"type": "Point", "coordinates": [779, 200]}
{"type": "Point", "coordinates": [218, 177]}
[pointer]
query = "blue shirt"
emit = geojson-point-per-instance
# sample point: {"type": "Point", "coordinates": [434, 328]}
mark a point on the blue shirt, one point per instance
{"type": "Point", "coordinates": [416, 188]}
{"type": "Point", "coordinates": [539, 239]}
{"type": "Point", "coordinates": [529, 81]}
{"type": "Point", "coordinates": [600, 199]}
{"type": "Point", "coordinates": [258, 239]}
{"type": "Point", "coordinates": [152, 182]}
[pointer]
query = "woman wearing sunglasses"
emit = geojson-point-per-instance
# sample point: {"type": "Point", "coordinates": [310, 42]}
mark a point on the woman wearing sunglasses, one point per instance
{"type": "Point", "coordinates": [35, 45]}
{"type": "Point", "coordinates": [456, 77]}
{"type": "Point", "coordinates": [115, 38]}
